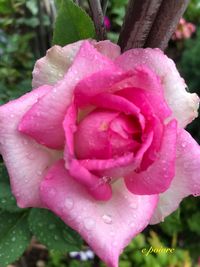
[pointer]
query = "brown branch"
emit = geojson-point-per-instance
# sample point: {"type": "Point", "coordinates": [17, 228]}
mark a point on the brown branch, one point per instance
{"type": "Point", "coordinates": [138, 21]}
{"type": "Point", "coordinates": [98, 18]}
{"type": "Point", "coordinates": [104, 4]}
{"type": "Point", "coordinates": [166, 22]}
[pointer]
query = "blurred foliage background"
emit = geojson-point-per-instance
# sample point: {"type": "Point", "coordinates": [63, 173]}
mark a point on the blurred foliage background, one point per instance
{"type": "Point", "coordinates": [25, 35]}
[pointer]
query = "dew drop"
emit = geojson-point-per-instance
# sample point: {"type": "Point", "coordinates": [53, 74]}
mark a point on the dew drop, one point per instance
{"type": "Point", "coordinates": [107, 219]}
{"type": "Point", "coordinates": [69, 203]}
{"type": "Point", "coordinates": [39, 172]}
{"type": "Point", "coordinates": [13, 239]}
{"type": "Point", "coordinates": [106, 179]}
{"type": "Point", "coordinates": [134, 205]}
{"type": "Point", "coordinates": [183, 144]}
{"type": "Point", "coordinates": [89, 223]}
{"type": "Point", "coordinates": [132, 224]}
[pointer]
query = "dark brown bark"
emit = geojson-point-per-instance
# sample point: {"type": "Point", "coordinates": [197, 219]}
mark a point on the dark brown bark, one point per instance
{"type": "Point", "coordinates": [138, 21]}
{"type": "Point", "coordinates": [98, 18]}
{"type": "Point", "coordinates": [166, 22]}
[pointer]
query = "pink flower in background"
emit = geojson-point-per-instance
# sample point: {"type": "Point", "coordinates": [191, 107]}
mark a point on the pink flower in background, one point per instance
{"type": "Point", "coordinates": [184, 30]}
{"type": "Point", "coordinates": [107, 23]}
{"type": "Point", "coordinates": [100, 141]}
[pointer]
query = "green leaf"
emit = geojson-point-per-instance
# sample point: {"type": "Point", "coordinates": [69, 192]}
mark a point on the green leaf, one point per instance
{"type": "Point", "coordinates": [7, 200]}
{"type": "Point", "coordinates": [72, 24]}
{"type": "Point", "coordinates": [172, 223]}
{"type": "Point", "coordinates": [193, 222]}
{"type": "Point", "coordinates": [3, 173]}
{"type": "Point", "coordinates": [53, 232]}
{"type": "Point", "coordinates": [14, 236]}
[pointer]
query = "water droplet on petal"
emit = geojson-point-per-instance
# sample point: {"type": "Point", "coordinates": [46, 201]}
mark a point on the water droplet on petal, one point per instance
{"type": "Point", "coordinates": [132, 224]}
{"type": "Point", "coordinates": [134, 205]}
{"type": "Point", "coordinates": [183, 144]}
{"type": "Point", "coordinates": [89, 223]}
{"type": "Point", "coordinates": [69, 203]}
{"type": "Point", "coordinates": [107, 219]}
{"type": "Point", "coordinates": [39, 172]}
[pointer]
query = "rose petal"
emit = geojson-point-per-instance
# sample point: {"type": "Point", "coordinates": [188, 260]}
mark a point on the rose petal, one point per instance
{"type": "Point", "coordinates": [107, 48]}
{"type": "Point", "coordinates": [115, 102]}
{"type": "Point", "coordinates": [106, 226]}
{"type": "Point", "coordinates": [154, 114]}
{"type": "Point", "coordinates": [187, 179]}
{"type": "Point", "coordinates": [92, 131]}
{"type": "Point", "coordinates": [50, 110]}
{"type": "Point", "coordinates": [93, 184]}
{"type": "Point", "coordinates": [99, 82]}
{"type": "Point", "coordinates": [183, 104]}
{"type": "Point", "coordinates": [118, 169]}
{"type": "Point", "coordinates": [25, 160]}
{"type": "Point", "coordinates": [52, 67]}
{"type": "Point", "coordinates": [158, 176]}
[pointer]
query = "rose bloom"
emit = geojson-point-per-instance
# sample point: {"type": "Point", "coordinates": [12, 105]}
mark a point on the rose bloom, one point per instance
{"type": "Point", "coordinates": [100, 141]}
{"type": "Point", "coordinates": [184, 30]}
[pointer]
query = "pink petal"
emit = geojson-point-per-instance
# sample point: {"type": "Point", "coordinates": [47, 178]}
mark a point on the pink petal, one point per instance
{"type": "Point", "coordinates": [122, 166]}
{"type": "Point", "coordinates": [106, 226]}
{"type": "Point", "coordinates": [25, 160]}
{"type": "Point", "coordinates": [52, 67]}
{"type": "Point", "coordinates": [108, 49]}
{"type": "Point", "coordinates": [187, 179]}
{"type": "Point", "coordinates": [157, 178]}
{"type": "Point", "coordinates": [116, 102]}
{"type": "Point", "coordinates": [50, 110]}
{"type": "Point", "coordinates": [183, 104]}
{"type": "Point", "coordinates": [93, 184]}
{"type": "Point", "coordinates": [152, 110]}
{"type": "Point", "coordinates": [104, 164]}
{"type": "Point", "coordinates": [92, 135]}
{"type": "Point", "coordinates": [100, 82]}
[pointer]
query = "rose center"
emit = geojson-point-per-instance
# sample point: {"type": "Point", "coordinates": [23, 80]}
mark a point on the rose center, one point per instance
{"type": "Point", "coordinates": [105, 134]}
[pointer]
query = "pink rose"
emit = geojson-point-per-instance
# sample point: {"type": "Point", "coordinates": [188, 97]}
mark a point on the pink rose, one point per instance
{"type": "Point", "coordinates": [100, 141]}
{"type": "Point", "coordinates": [184, 30]}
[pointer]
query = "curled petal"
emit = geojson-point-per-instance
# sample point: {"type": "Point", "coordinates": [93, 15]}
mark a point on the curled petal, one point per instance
{"type": "Point", "coordinates": [49, 112]}
{"type": "Point", "coordinates": [157, 178]}
{"type": "Point", "coordinates": [52, 67]}
{"type": "Point", "coordinates": [183, 104]}
{"type": "Point", "coordinates": [187, 179]}
{"type": "Point", "coordinates": [106, 226]}
{"type": "Point", "coordinates": [26, 160]}
{"type": "Point", "coordinates": [107, 48]}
